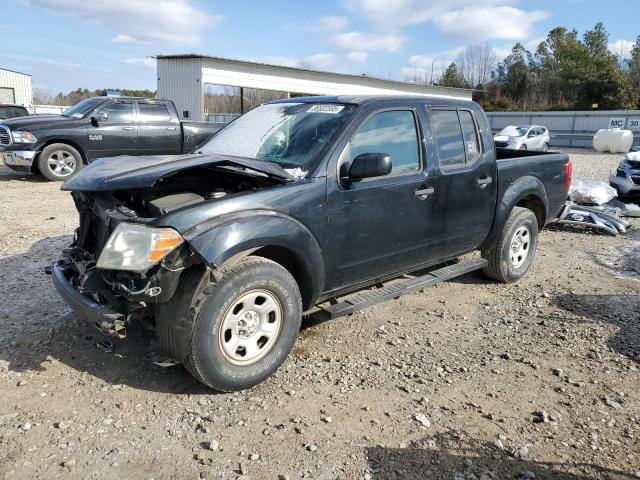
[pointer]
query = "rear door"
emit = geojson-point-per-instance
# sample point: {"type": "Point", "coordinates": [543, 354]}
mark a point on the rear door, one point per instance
{"type": "Point", "coordinates": [159, 131]}
{"type": "Point", "coordinates": [466, 184]}
{"type": "Point", "coordinates": [114, 135]}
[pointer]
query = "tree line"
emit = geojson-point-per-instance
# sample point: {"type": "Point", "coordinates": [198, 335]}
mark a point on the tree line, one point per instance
{"type": "Point", "coordinates": [45, 97]}
{"type": "Point", "coordinates": [565, 72]}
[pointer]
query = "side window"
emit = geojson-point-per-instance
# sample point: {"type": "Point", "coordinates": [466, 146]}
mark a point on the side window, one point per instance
{"type": "Point", "coordinates": [154, 112]}
{"type": "Point", "coordinates": [449, 140]}
{"type": "Point", "coordinates": [393, 133]}
{"type": "Point", "coordinates": [471, 143]}
{"type": "Point", "coordinates": [119, 112]}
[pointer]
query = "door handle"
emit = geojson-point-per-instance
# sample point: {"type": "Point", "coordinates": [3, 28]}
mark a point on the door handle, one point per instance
{"type": "Point", "coordinates": [484, 181]}
{"type": "Point", "coordinates": [171, 128]}
{"type": "Point", "coordinates": [425, 192]}
{"type": "Point", "coordinates": [127, 128]}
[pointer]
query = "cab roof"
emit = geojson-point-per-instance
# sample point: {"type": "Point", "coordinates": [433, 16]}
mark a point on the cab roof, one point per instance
{"type": "Point", "coordinates": [368, 99]}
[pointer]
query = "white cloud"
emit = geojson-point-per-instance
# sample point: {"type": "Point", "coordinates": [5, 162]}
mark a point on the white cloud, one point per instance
{"type": "Point", "coordinates": [621, 47]}
{"type": "Point", "coordinates": [361, 41]}
{"type": "Point", "coordinates": [358, 56]}
{"type": "Point", "coordinates": [147, 61]}
{"type": "Point", "coordinates": [398, 13]}
{"type": "Point", "coordinates": [481, 23]}
{"type": "Point", "coordinates": [331, 22]}
{"type": "Point", "coordinates": [475, 20]}
{"type": "Point", "coordinates": [429, 66]}
{"type": "Point", "coordinates": [171, 22]}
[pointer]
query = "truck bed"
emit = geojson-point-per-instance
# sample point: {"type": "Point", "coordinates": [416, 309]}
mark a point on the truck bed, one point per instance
{"type": "Point", "coordinates": [547, 168]}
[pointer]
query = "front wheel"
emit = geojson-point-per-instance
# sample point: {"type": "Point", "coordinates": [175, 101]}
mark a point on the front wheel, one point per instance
{"type": "Point", "coordinates": [523, 147]}
{"type": "Point", "coordinates": [245, 325]}
{"type": "Point", "coordinates": [514, 250]}
{"type": "Point", "coordinates": [59, 161]}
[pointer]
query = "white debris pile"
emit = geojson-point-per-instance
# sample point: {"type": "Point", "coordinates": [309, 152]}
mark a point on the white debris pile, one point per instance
{"type": "Point", "coordinates": [591, 193]}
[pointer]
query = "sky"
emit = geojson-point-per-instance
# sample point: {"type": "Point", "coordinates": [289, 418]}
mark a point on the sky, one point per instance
{"type": "Point", "coordinates": [68, 44]}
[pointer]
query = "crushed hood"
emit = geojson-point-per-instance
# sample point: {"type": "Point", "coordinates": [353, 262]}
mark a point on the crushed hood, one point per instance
{"type": "Point", "coordinates": [127, 171]}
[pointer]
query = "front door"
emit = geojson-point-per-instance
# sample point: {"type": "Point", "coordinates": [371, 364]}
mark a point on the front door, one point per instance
{"type": "Point", "coordinates": [466, 183]}
{"type": "Point", "coordinates": [381, 225]}
{"type": "Point", "coordinates": [158, 132]}
{"type": "Point", "coordinates": [114, 133]}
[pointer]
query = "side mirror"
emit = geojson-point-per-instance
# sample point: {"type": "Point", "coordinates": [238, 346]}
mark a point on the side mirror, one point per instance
{"type": "Point", "coordinates": [367, 165]}
{"type": "Point", "coordinates": [98, 117]}
{"type": "Point", "coordinates": [531, 134]}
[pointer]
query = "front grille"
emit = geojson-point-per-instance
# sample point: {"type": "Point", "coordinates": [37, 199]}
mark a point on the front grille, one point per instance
{"type": "Point", "coordinates": [5, 136]}
{"type": "Point", "coordinates": [502, 144]}
{"type": "Point", "coordinates": [635, 179]}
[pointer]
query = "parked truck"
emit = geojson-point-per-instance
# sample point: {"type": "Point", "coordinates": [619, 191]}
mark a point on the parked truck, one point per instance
{"type": "Point", "coordinates": [319, 201]}
{"type": "Point", "coordinates": [58, 146]}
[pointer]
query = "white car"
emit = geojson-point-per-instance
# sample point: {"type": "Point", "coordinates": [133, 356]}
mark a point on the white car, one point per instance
{"type": "Point", "coordinates": [523, 137]}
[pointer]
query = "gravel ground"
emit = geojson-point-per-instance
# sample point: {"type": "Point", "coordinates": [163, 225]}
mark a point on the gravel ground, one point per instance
{"type": "Point", "coordinates": [589, 165]}
{"type": "Point", "coordinates": [466, 380]}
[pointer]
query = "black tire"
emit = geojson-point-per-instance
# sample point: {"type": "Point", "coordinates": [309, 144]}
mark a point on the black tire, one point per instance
{"type": "Point", "coordinates": [545, 147]}
{"type": "Point", "coordinates": [523, 147]}
{"type": "Point", "coordinates": [506, 265]}
{"type": "Point", "coordinates": [206, 359]}
{"type": "Point", "coordinates": [68, 159]}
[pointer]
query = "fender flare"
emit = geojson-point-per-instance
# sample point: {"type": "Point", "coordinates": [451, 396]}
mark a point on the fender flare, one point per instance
{"type": "Point", "coordinates": [227, 236]}
{"type": "Point", "coordinates": [523, 187]}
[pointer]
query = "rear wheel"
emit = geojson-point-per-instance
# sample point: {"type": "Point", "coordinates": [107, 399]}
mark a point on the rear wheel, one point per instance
{"type": "Point", "coordinates": [545, 147]}
{"type": "Point", "coordinates": [59, 161]}
{"type": "Point", "coordinates": [245, 325]}
{"type": "Point", "coordinates": [515, 248]}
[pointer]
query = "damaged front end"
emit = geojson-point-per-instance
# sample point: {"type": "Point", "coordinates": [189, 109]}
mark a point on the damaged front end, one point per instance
{"type": "Point", "coordinates": [123, 261]}
{"type": "Point", "coordinates": [112, 298]}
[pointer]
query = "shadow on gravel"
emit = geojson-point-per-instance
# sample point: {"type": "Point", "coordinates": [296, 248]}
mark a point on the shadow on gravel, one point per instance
{"type": "Point", "coordinates": [318, 317]}
{"type": "Point", "coordinates": [455, 456]}
{"type": "Point", "coordinates": [37, 329]}
{"type": "Point", "coordinates": [7, 175]}
{"type": "Point", "coordinates": [619, 310]}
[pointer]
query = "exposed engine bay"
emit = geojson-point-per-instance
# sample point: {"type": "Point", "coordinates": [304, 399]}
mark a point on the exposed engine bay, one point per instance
{"type": "Point", "coordinates": [188, 188]}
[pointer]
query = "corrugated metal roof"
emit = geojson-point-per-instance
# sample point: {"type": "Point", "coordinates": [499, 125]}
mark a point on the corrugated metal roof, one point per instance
{"type": "Point", "coordinates": [283, 68]}
{"type": "Point", "coordinates": [14, 71]}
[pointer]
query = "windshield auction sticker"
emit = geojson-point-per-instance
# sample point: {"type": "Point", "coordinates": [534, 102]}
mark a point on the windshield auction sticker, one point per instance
{"type": "Point", "coordinates": [325, 108]}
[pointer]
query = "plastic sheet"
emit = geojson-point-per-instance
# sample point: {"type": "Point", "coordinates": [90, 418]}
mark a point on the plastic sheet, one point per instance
{"type": "Point", "coordinates": [613, 140]}
{"type": "Point", "coordinates": [591, 193]}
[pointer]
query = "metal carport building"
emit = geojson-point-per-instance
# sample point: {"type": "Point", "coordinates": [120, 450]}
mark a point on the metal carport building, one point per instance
{"type": "Point", "coordinates": [16, 88]}
{"type": "Point", "coordinates": [182, 78]}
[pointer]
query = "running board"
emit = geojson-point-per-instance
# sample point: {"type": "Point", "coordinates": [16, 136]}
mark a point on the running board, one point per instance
{"type": "Point", "coordinates": [368, 298]}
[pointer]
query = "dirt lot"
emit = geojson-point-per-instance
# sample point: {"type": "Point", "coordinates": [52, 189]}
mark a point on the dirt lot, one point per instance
{"type": "Point", "coordinates": [467, 380]}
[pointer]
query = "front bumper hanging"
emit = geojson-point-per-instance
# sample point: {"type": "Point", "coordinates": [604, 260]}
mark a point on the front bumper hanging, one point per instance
{"type": "Point", "coordinates": [101, 316]}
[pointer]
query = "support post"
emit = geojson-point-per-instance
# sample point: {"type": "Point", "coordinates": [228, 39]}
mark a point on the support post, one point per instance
{"type": "Point", "coordinates": [241, 100]}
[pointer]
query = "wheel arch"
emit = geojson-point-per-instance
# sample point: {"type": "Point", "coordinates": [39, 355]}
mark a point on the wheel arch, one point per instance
{"type": "Point", "coordinates": [527, 192]}
{"type": "Point", "coordinates": [274, 236]}
{"type": "Point", "coordinates": [64, 141]}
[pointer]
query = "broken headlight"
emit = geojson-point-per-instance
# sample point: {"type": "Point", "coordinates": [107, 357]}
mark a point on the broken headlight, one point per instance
{"type": "Point", "coordinates": [137, 248]}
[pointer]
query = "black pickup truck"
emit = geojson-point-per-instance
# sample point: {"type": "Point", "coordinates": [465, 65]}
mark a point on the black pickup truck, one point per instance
{"type": "Point", "coordinates": [296, 204]}
{"type": "Point", "coordinates": [58, 146]}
